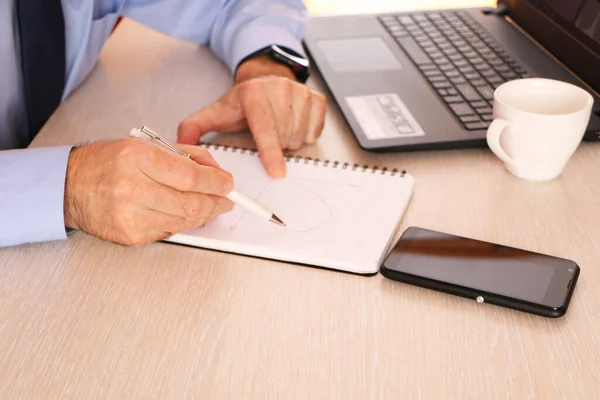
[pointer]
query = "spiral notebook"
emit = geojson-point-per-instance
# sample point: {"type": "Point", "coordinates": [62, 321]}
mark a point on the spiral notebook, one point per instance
{"type": "Point", "coordinates": [339, 216]}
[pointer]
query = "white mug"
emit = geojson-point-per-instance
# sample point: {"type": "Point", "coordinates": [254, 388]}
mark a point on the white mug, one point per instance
{"type": "Point", "coordinates": [538, 124]}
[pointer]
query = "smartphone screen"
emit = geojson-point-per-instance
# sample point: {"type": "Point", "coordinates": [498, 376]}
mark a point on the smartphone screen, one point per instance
{"type": "Point", "coordinates": [483, 267]}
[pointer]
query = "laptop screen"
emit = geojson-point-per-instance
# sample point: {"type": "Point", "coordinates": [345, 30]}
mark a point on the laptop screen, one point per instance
{"type": "Point", "coordinates": [569, 29]}
{"type": "Point", "coordinates": [581, 18]}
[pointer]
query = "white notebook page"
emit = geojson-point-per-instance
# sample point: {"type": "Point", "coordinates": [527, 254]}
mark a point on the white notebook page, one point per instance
{"type": "Point", "coordinates": [336, 218]}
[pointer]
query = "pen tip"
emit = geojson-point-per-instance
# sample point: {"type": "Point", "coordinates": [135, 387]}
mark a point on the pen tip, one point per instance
{"type": "Point", "coordinates": [276, 219]}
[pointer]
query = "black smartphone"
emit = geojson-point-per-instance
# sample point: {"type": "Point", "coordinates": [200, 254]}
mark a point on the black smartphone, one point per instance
{"type": "Point", "coordinates": [486, 272]}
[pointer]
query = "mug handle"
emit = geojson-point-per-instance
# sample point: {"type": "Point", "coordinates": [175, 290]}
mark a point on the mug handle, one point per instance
{"type": "Point", "coordinates": [493, 139]}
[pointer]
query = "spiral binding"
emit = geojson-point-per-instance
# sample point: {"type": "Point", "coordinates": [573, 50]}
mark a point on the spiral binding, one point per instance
{"type": "Point", "coordinates": [313, 161]}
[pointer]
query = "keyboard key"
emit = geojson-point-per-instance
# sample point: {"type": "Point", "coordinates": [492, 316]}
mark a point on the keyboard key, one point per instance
{"type": "Point", "coordinates": [488, 73]}
{"type": "Point", "coordinates": [486, 92]}
{"type": "Point", "coordinates": [508, 75]}
{"type": "Point", "coordinates": [432, 72]}
{"type": "Point", "coordinates": [443, 92]}
{"type": "Point", "coordinates": [501, 67]}
{"type": "Point", "coordinates": [478, 82]}
{"type": "Point", "coordinates": [447, 67]}
{"type": "Point", "coordinates": [398, 34]}
{"type": "Point", "coordinates": [440, 60]}
{"type": "Point", "coordinates": [484, 110]}
{"type": "Point", "coordinates": [469, 118]}
{"type": "Point", "coordinates": [461, 63]}
{"type": "Point", "coordinates": [457, 80]}
{"type": "Point", "coordinates": [405, 20]}
{"type": "Point", "coordinates": [495, 79]}
{"type": "Point", "coordinates": [461, 109]}
{"type": "Point", "coordinates": [437, 78]}
{"type": "Point", "coordinates": [441, 84]}
{"type": "Point", "coordinates": [479, 104]}
{"type": "Point", "coordinates": [466, 69]}
{"type": "Point", "coordinates": [413, 50]}
{"type": "Point", "coordinates": [468, 92]}
{"type": "Point", "coordinates": [453, 99]}
{"type": "Point", "coordinates": [452, 91]}
{"type": "Point", "coordinates": [474, 126]}
{"type": "Point", "coordinates": [487, 117]}
{"type": "Point", "coordinates": [483, 67]}
{"type": "Point", "coordinates": [427, 67]}
{"type": "Point", "coordinates": [452, 73]}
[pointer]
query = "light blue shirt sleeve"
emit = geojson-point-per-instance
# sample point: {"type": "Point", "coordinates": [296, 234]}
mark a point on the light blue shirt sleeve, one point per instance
{"type": "Point", "coordinates": [32, 186]}
{"type": "Point", "coordinates": [32, 181]}
{"type": "Point", "coordinates": [233, 29]}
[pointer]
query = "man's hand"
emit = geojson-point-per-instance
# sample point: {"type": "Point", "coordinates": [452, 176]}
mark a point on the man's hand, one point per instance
{"type": "Point", "coordinates": [134, 192]}
{"type": "Point", "coordinates": [280, 113]}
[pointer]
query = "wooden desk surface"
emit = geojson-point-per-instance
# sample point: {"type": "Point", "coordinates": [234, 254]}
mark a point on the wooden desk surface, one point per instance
{"type": "Point", "coordinates": [88, 319]}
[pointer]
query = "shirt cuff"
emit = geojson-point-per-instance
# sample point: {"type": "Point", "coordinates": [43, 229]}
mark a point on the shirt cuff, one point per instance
{"type": "Point", "coordinates": [32, 189]}
{"type": "Point", "coordinates": [256, 37]}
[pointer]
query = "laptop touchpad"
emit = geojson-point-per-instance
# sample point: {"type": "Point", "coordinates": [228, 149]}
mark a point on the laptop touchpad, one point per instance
{"type": "Point", "coordinates": [360, 54]}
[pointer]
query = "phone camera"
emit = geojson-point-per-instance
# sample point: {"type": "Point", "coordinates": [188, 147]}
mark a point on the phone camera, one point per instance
{"type": "Point", "coordinates": [479, 299]}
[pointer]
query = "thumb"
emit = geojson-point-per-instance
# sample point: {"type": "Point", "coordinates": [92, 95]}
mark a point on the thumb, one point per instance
{"type": "Point", "coordinates": [218, 116]}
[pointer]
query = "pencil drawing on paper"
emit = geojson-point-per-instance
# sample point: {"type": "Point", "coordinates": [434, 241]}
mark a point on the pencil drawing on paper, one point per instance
{"type": "Point", "coordinates": [313, 212]}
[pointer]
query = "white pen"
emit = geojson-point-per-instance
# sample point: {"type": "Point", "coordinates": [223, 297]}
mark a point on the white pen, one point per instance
{"type": "Point", "coordinates": [235, 195]}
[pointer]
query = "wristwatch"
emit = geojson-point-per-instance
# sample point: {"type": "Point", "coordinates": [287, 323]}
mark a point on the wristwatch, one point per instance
{"type": "Point", "coordinates": [298, 64]}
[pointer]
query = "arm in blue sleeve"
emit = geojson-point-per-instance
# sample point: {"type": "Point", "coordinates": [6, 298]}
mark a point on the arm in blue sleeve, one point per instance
{"type": "Point", "coordinates": [32, 187]}
{"type": "Point", "coordinates": [233, 29]}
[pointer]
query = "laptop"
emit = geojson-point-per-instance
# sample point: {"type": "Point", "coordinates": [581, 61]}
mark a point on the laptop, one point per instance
{"type": "Point", "coordinates": [425, 80]}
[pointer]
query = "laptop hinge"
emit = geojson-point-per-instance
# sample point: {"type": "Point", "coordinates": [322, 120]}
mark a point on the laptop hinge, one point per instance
{"type": "Point", "coordinates": [500, 11]}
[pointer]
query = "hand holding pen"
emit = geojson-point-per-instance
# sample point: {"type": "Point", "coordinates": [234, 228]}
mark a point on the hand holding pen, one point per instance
{"type": "Point", "coordinates": [133, 192]}
{"type": "Point", "coordinates": [235, 195]}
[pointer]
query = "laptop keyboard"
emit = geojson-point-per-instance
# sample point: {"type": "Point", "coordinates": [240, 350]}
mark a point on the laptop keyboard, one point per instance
{"type": "Point", "coordinates": [461, 61]}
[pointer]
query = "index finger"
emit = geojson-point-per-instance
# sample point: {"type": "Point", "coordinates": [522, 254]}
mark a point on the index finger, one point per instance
{"type": "Point", "coordinates": [261, 122]}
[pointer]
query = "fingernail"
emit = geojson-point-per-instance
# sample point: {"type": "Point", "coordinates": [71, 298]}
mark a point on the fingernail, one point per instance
{"type": "Point", "coordinates": [278, 170]}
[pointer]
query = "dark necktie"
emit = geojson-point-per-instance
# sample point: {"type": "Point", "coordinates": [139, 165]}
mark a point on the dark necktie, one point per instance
{"type": "Point", "coordinates": [42, 37]}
